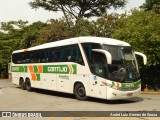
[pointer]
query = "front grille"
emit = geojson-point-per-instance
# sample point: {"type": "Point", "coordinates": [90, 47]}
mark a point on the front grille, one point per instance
{"type": "Point", "coordinates": [128, 89]}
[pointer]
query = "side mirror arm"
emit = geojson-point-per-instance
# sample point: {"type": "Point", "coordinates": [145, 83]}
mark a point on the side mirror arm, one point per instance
{"type": "Point", "coordinates": [142, 55]}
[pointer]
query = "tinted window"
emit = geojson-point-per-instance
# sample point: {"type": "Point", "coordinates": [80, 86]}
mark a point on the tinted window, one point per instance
{"type": "Point", "coordinates": [88, 49]}
{"type": "Point", "coordinates": [70, 53]}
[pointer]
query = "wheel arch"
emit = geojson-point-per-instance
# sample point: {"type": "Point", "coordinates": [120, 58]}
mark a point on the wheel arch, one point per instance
{"type": "Point", "coordinates": [27, 78]}
{"type": "Point", "coordinates": [79, 82]}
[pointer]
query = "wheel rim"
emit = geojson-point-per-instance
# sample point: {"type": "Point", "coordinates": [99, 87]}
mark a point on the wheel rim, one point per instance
{"type": "Point", "coordinates": [81, 91]}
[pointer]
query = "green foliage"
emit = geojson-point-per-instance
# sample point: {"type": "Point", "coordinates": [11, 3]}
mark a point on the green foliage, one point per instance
{"type": "Point", "coordinates": [142, 31]}
{"type": "Point", "coordinates": [11, 26]}
{"type": "Point", "coordinates": [60, 29]}
{"type": "Point", "coordinates": [82, 27]}
{"type": "Point", "coordinates": [31, 33]}
{"type": "Point", "coordinates": [16, 35]}
{"type": "Point", "coordinates": [151, 5]}
{"type": "Point", "coordinates": [55, 30]}
{"type": "Point", "coordinates": [105, 25]}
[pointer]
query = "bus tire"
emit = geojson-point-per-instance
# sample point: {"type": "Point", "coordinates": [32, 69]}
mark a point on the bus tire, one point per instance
{"type": "Point", "coordinates": [28, 85]}
{"type": "Point", "coordinates": [80, 92]}
{"type": "Point", "coordinates": [22, 84]}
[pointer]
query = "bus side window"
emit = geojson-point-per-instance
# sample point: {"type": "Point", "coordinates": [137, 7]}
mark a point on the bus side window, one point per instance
{"type": "Point", "coordinates": [24, 58]}
{"type": "Point", "coordinates": [78, 55]}
{"type": "Point", "coordinates": [68, 56]}
{"type": "Point", "coordinates": [47, 55]}
{"type": "Point", "coordinates": [71, 53]}
{"type": "Point", "coordinates": [37, 59]}
{"type": "Point", "coordinates": [16, 58]}
{"type": "Point", "coordinates": [28, 60]}
{"type": "Point", "coordinates": [32, 57]}
{"type": "Point", "coordinates": [40, 56]}
{"type": "Point", "coordinates": [43, 60]}
{"type": "Point", "coordinates": [19, 58]}
{"type": "Point", "coordinates": [60, 54]}
{"type": "Point", "coordinates": [51, 55]}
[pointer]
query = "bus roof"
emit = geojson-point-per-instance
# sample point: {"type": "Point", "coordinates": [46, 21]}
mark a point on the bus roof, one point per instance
{"type": "Point", "coordinates": [85, 39]}
{"type": "Point", "coordinates": [103, 40]}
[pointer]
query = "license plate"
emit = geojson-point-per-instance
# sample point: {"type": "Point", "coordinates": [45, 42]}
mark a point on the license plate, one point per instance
{"type": "Point", "coordinates": [129, 94]}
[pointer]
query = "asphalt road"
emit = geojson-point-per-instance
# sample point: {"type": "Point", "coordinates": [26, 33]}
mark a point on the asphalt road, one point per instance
{"type": "Point", "coordinates": [12, 98]}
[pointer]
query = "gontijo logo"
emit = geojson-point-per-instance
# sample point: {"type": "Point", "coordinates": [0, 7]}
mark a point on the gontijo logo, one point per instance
{"type": "Point", "coordinates": [60, 69]}
{"type": "Point", "coordinates": [57, 69]}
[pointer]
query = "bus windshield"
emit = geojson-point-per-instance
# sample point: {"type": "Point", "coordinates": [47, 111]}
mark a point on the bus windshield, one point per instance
{"type": "Point", "coordinates": [124, 66]}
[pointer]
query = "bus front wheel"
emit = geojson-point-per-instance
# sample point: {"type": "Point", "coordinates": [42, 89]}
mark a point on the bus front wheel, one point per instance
{"type": "Point", "coordinates": [80, 92]}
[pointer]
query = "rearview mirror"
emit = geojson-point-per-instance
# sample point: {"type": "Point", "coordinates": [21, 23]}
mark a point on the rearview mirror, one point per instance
{"type": "Point", "coordinates": [142, 55]}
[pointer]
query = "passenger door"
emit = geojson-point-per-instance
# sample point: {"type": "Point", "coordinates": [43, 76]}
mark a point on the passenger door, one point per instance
{"type": "Point", "coordinates": [98, 86]}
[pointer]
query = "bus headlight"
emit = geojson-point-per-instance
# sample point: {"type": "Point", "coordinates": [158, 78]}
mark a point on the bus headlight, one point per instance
{"type": "Point", "coordinates": [114, 87]}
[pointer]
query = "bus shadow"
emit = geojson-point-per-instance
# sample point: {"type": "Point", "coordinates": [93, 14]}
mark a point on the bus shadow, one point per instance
{"type": "Point", "coordinates": [71, 96]}
{"type": "Point", "coordinates": [52, 93]}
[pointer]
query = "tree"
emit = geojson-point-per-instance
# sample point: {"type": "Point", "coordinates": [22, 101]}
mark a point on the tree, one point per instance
{"type": "Point", "coordinates": [6, 48]}
{"type": "Point", "coordinates": [82, 27]}
{"type": "Point", "coordinates": [31, 33]}
{"type": "Point", "coordinates": [78, 8]}
{"type": "Point", "coordinates": [142, 31]}
{"type": "Point", "coordinates": [54, 31]}
{"type": "Point", "coordinates": [11, 26]}
{"type": "Point", "coordinates": [105, 25]}
{"type": "Point", "coordinates": [151, 4]}
{"type": "Point", "coordinates": [16, 35]}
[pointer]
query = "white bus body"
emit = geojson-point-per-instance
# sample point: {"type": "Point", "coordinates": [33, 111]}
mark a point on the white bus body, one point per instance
{"type": "Point", "coordinates": [85, 66]}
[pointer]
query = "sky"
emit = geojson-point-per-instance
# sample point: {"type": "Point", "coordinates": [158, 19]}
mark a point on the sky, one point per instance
{"type": "Point", "coordinates": [20, 10]}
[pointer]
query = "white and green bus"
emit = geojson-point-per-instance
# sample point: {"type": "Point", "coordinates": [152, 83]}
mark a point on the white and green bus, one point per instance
{"type": "Point", "coordinates": [85, 66]}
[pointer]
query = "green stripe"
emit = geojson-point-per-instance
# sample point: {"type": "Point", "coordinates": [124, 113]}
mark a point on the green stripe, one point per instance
{"type": "Point", "coordinates": [38, 77]}
{"type": "Point", "coordinates": [127, 85]}
{"type": "Point", "coordinates": [74, 69]}
{"type": "Point", "coordinates": [57, 69]}
{"type": "Point", "coordinates": [113, 83]}
{"type": "Point", "coordinates": [134, 84]}
{"type": "Point", "coordinates": [35, 69]}
{"type": "Point", "coordinates": [19, 69]}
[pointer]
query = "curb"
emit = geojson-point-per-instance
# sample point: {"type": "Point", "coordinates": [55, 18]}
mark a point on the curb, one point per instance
{"type": "Point", "coordinates": [152, 93]}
